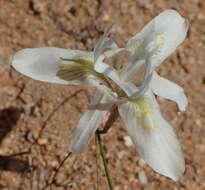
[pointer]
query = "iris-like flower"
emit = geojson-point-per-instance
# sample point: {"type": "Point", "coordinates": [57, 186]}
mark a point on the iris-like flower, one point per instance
{"type": "Point", "coordinates": [137, 106]}
{"type": "Point", "coordinates": [153, 136]}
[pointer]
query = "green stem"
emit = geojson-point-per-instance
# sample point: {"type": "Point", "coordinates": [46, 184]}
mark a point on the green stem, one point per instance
{"type": "Point", "coordinates": [102, 154]}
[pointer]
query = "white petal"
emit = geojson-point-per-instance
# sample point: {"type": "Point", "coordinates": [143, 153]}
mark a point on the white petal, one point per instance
{"type": "Point", "coordinates": [90, 121]}
{"type": "Point", "coordinates": [114, 51]}
{"type": "Point", "coordinates": [169, 90]}
{"type": "Point", "coordinates": [103, 44]}
{"type": "Point", "coordinates": [168, 30]}
{"type": "Point", "coordinates": [41, 63]}
{"type": "Point", "coordinates": [110, 72]}
{"type": "Point", "coordinates": [159, 146]}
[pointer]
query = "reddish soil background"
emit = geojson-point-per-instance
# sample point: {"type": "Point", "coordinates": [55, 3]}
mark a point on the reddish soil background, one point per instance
{"type": "Point", "coordinates": [26, 104]}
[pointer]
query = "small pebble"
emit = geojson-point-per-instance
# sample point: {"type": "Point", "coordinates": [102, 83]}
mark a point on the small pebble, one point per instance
{"type": "Point", "coordinates": [42, 141]}
{"type": "Point", "coordinates": [106, 17]}
{"type": "Point", "coordinates": [142, 177]}
{"type": "Point", "coordinates": [127, 141]}
{"type": "Point", "coordinates": [142, 162]}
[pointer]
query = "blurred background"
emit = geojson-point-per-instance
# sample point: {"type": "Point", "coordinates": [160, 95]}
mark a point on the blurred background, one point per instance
{"type": "Point", "coordinates": [32, 121]}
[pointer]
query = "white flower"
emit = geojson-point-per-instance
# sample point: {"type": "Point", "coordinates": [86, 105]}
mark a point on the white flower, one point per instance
{"type": "Point", "coordinates": [137, 107]}
{"type": "Point", "coordinates": [157, 40]}
{"type": "Point", "coordinates": [153, 136]}
{"type": "Point", "coordinates": [72, 67]}
{"type": "Point", "coordinates": [163, 34]}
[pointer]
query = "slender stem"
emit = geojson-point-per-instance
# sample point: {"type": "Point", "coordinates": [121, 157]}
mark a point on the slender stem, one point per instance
{"type": "Point", "coordinates": [97, 165]}
{"type": "Point", "coordinates": [112, 118]}
{"type": "Point", "coordinates": [102, 154]}
{"type": "Point", "coordinates": [59, 167]}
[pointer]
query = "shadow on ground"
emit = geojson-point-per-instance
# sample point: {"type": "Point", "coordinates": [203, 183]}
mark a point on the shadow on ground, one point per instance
{"type": "Point", "coordinates": [8, 120]}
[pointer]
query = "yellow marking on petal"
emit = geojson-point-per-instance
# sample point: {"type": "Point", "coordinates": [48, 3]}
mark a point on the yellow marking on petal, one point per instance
{"type": "Point", "coordinates": [160, 39]}
{"type": "Point", "coordinates": [78, 68]}
{"type": "Point", "coordinates": [74, 69]}
{"type": "Point", "coordinates": [144, 113]}
{"type": "Point", "coordinates": [80, 64]}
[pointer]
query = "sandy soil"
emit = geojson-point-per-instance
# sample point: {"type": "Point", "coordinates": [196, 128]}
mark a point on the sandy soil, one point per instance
{"type": "Point", "coordinates": [26, 104]}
